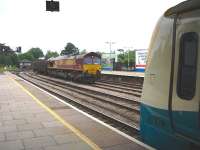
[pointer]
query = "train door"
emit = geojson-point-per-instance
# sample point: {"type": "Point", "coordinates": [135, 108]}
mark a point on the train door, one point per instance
{"type": "Point", "coordinates": [185, 105]}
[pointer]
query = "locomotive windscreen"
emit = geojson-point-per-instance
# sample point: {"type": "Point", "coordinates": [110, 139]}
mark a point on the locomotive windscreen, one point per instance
{"type": "Point", "coordinates": [91, 60]}
{"type": "Point", "coordinates": [96, 60]}
{"type": "Point", "coordinates": [87, 60]}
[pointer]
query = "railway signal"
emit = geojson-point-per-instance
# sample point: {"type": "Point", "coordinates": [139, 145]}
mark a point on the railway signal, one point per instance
{"type": "Point", "coordinates": [19, 49]}
{"type": "Point", "coordinates": [52, 6]}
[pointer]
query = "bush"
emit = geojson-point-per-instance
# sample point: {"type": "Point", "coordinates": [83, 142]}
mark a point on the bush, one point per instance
{"type": "Point", "coordinates": [1, 69]}
{"type": "Point", "coordinates": [7, 68]}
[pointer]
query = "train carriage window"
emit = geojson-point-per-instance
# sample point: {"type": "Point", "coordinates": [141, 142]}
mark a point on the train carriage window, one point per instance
{"type": "Point", "coordinates": [186, 85]}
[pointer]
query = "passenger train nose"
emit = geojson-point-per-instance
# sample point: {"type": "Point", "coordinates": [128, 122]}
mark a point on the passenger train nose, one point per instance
{"type": "Point", "coordinates": [170, 103]}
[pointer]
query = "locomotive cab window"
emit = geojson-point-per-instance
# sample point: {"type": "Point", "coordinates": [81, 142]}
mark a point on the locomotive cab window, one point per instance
{"type": "Point", "coordinates": [96, 60]}
{"type": "Point", "coordinates": [186, 85]}
{"type": "Point", "coordinates": [87, 60]}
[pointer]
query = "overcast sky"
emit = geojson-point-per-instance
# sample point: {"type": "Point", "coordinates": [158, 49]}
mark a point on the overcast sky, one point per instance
{"type": "Point", "coordinates": [86, 23]}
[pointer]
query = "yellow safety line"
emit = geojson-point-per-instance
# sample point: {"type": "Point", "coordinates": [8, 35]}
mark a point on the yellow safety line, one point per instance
{"type": "Point", "coordinates": [59, 118]}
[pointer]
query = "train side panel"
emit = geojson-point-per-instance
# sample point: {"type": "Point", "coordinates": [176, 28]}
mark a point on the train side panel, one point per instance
{"type": "Point", "coordinates": [68, 64]}
{"type": "Point", "coordinates": [40, 66]}
{"type": "Point", "coordinates": [155, 123]}
{"type": "Point", "coordinates": [175, 125]}
{"type": "Point", "coordinates": [186, 86]}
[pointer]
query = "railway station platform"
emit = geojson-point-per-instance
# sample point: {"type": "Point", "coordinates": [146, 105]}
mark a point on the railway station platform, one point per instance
{"type": "Point", "coordinates": [33, 119]}
{"type": "Point", "coordinates": [124, 73]}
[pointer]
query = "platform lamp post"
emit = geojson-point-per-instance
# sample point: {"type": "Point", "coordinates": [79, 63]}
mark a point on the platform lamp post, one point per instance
{"type": "Point", "coordinates": [110, 46]}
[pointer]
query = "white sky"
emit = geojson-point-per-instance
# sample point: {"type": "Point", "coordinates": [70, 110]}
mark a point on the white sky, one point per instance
{"type": "Point", "coordinates": [86, 23]}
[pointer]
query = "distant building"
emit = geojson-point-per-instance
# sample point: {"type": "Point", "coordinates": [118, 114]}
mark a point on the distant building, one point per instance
{"type": "Point", "coordinates": [25, 64]}
{"type": "Point", "coordinates": [41, 58]}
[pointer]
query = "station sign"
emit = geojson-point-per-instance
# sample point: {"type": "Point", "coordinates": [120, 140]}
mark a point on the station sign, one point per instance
{"type": "Point", "coordinates": [140, 59]}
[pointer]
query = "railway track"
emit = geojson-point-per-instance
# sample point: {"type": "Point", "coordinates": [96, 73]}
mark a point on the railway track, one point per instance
{"type": "Point", "coordinates": [119, 110]}
{"type": "Point", "coordinates": [112, 93]}
{"type": "Point", "coordinates": [117, 88]}
{"type": "Point", "coordinates": [84, 90]}
{"type": "Point", "coordinates": [121, 89]}
{"type": "Point", "coordinates": [136, 85]}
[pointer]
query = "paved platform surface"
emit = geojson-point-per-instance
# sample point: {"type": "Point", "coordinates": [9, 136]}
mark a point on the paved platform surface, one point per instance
{"type": "Point", "coordinates": [123, 73]}
{"type": "Point", "coordinates": [31, 119]}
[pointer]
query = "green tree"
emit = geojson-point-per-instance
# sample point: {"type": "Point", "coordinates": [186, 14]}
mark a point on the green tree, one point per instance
{"type": "Point", "coordinates": [70, 49]}
{"type": "Point", "coordinates": [50, 54]}
{"type": "Point", "coordinates": [7, 59]}
{"type": "Point", "coordinates": [7, 56]}
{"type": "Point", "coordinates": [14, 59]}
{"type": "Point", "coordinates": [1, 59]}
{"type": "Point", "coordinates": [123, 58]}
{"type": "Point", "coordinates": [20, 56]}
{"type": "Point", "coordinates": [26, 56]}
{"type": "Point", "coordinates": [36, 52]}
{"type": "Point", "coordinates": [83, 51]}
{"type": "Point", "coordinates": [32, 54]}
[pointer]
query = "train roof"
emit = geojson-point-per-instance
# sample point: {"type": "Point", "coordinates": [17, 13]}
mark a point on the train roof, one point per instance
{"type": "Point", "coordinates": [185, 6]}
{"type": "Point", "coordinates": [75, 56]}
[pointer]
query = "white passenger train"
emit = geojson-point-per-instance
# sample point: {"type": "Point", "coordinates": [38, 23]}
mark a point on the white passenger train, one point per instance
{"type": "Point", "coordinates": [170, 108]}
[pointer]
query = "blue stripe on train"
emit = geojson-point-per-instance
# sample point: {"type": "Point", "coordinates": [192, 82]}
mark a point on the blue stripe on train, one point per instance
{"type": "Point", "coordinates": [156, 130]}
